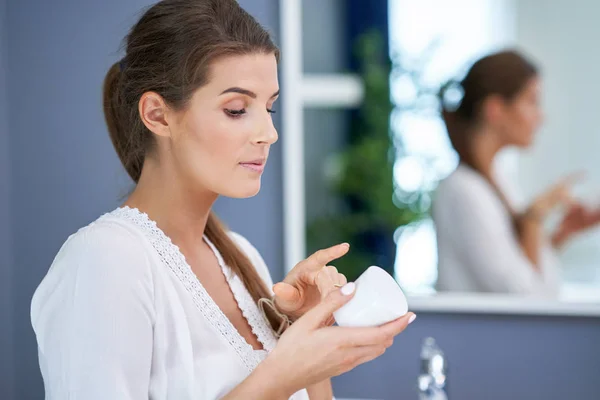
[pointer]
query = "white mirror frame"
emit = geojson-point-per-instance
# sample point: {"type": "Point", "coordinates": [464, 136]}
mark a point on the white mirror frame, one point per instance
{"type": "Point", "coordinates": [339, 91]}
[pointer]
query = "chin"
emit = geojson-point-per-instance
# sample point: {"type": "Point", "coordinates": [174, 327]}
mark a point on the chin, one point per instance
{"type": "Point", "coordinates": [523, 142]}
{"type": "Point", "coordinates": [521, 145]}
{"type": "Point", "coordinates": [243, 191]}
{"type": "Point", "coordinates": [527, 142]}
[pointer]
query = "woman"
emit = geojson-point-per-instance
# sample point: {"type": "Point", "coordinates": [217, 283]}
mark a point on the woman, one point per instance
{"type": "Point", "coordinates": [484, 244]}
{"type": "Point", "coordinates": [155, 300]}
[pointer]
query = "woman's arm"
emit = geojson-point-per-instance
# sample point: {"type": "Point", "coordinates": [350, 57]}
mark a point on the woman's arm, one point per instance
{"type": "Point", "coordinates": [308, 352]}
{"type": "Point", "coordinates": [531, 222]}
{"type": "Point", "coordinates": [318, 391]}
{"type": "Point", "coordinates": [262, 383]}
{"type": "Point", "coordinates": [531, 237]}
{"type": "Point", "coordinates": [321, 391]}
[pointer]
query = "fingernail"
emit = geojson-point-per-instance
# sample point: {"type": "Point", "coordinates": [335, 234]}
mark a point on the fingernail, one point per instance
{"type": "Point", "coordinates": [348, 288]}
{"type": "Point", "coordinates": [412, 318]}
{"type": "Point", "coordinates": [346, 244]}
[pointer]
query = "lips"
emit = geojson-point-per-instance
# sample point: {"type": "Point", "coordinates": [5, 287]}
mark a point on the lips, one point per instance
{"type": "Point", "coordinates": [255, 165]}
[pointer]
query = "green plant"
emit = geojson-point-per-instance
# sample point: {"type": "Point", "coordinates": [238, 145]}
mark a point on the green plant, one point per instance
{"type": "Point", "coordinates": [365, 174]}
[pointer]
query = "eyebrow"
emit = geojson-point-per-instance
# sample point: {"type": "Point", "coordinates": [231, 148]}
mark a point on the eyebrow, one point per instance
{"type": "Point", "coordinates": [245, 92]}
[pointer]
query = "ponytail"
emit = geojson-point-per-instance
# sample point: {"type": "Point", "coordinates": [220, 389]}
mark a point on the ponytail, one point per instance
{"type": "Point", "coordinates": [239, 263]}
{"type": "Point", "coordinates": [122, 125]}
{"type": "Point", "coordinates": [456, 125]}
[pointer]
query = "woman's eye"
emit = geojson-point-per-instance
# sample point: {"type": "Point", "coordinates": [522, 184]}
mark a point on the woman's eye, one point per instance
{"type": "Point", "coordinates": [238, 113]}
{"type": "Point", "coordinates": [235, 113]}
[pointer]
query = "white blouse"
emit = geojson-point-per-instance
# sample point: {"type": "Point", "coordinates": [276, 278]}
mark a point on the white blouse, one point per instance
{"type": "Point", "coordinates": [478, 250]}
{"type": "Point", "coordinates": [121, 316]}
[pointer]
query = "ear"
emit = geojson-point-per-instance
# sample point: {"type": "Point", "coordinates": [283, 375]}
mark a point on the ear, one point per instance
{"type": "Point", "coordinates": [153, 111]}
{"type": "Point", "coordinates": [493, 108]}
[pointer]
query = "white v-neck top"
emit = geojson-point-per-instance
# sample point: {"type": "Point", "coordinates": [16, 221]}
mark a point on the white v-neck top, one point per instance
{"type": "Point", "coordinates": [120, 315]}
{"type": "Point", "coordinates": [478, 250]}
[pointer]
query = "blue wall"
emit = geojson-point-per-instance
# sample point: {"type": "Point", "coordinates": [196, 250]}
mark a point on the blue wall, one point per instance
{"type": "Point", "coordinates": [62, 173]}
{"type": "Point", "coordinates": [6, 343]}
{"type": "Point", "coordinates": [63, 170]}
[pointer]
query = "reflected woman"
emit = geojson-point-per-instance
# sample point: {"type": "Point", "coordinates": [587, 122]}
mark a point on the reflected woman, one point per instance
{"type": "Point", "coordinates": [485, 244]}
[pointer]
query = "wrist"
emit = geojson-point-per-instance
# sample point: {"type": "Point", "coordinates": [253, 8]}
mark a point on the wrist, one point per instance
{"type": "Point", "coordinates": [281, 320]}
{"type": "Point", "coordinates": [528, 227]}
{"type": "Point", "coordinates": [291, 317]}
{"type": "Point", "coordinates": [532, 215]}
{"type": "Point", "coordinates": [273, 382]}
{"type": "Point", "coordinates": [321, 390]}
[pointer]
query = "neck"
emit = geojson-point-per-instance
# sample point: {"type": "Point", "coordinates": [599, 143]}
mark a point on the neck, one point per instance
{"type": "Point", "coordinates": [484, 147]}
{"type": "Point", "coordinates": [180, 212]}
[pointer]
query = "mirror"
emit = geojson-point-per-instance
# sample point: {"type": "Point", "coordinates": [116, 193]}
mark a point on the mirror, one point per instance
{"type": "Point", "coordinates": [374, 169]}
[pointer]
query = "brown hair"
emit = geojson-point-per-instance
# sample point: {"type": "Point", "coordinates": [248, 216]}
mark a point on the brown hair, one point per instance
{"type": "Point", "coordinates": [503, 74]}
{"type": "Point", "coordinates": [169, 51]}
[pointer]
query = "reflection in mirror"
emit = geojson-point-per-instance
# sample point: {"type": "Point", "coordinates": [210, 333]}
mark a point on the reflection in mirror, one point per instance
{"type": "Point", "coordinates": [489, 210]}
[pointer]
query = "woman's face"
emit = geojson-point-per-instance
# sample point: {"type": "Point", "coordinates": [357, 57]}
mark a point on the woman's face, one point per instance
{"type": "Point", "coordinates": [221, 141]}
{"type": "Point", "coordinates": [521, 117]}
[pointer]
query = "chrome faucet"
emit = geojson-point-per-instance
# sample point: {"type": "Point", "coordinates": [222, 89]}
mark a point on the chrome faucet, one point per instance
{"type": "Point", "coordinates": [432, 381]}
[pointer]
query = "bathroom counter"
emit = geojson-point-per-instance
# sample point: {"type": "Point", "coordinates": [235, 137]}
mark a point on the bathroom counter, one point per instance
{"type": "Point", "coordinates": [482, 303]}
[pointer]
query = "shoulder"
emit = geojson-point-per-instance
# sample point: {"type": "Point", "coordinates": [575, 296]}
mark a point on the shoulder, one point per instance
{"type": "Point", "coordinates": [102, 260]}
{"type": "Point", "coordinates": [466, 199]}
{"type": "Point", "coordinates": [99, 282]}
{"type": "Point", "coordinates": [254, 256]}
{"type": "Point", "coordinates": [465, 188]}
{"type": "Point", "coordinates": [464, 181]}
{"type": "Point", "coordinates": [107, 239]}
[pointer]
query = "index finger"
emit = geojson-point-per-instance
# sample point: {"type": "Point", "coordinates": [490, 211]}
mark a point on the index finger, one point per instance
{"type": "Point", "coordinates": [570, 179]}
{"type": "Point", "coordinates": [322, 257]}
{"type": "Point", "coordinates": [560, 191]}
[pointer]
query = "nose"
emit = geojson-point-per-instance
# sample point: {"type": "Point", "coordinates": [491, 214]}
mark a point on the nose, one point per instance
{"type": "Point", "coordinates": [268, 134]}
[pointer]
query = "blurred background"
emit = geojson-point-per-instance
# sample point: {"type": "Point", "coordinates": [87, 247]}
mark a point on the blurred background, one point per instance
{"type": "Point", "coordinates": [361, 109]}
{"type": "Point", "coordinates": [357, 159]}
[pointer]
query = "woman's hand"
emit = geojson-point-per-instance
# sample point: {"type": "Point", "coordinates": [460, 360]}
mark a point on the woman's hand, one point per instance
{"type": "Point", "coordinates": [530, 223]}
{"type": "Point", "coordinates": [557, 195]}
{"type": "Point", "coordinates": [578, 218]}
{"type": "Point", "coordinates": [309, 282]}
{"type": "Point", "coordinates": [308, 353]}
